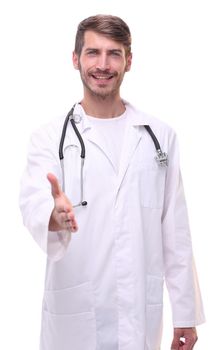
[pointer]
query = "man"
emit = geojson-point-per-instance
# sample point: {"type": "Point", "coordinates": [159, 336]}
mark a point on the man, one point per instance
{"type": "Point", "coordinates": [109, 255]}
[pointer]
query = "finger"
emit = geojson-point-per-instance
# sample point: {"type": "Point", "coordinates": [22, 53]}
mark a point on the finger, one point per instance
{"type": "Point", "coordinates": [190, 337]}
{"type": "Point", "coordinates": [70, 216]}
{"type": "Point", "coordinates": [73, 225]}
{"type": "Point", "coordinates": [67, 221]}
{"type": "Point", "coordinates": [55, 187]}
{"type": "Point", "coordinates": [175, 344]}
{"type": "Point", "coordinates": [64, 206]}
{"type": "Point", "coordinates": [188, 346]}
{"type": "Point", "coordinates": [65, 218]}
{"type": "Point", "coordinates": [62, 217]}
{"type": "Point", "coordinates": [70, 226]}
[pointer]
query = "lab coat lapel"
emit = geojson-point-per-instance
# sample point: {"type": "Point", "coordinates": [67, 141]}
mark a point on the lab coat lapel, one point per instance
{"type": "Point", "coordinates": [132, 138]}
{"type": "Point", "coordinates": [133, 135]}
{"type": "Point", "coordinates": [93, 135]}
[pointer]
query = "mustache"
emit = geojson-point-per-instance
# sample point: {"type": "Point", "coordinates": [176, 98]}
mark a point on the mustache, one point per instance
{"type": "Point", "coordinates": [103, 72]}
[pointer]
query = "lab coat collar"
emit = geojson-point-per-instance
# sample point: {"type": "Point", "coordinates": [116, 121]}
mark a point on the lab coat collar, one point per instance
{"type": "Point", "coordinates": [133, 135]}
{"type": "Point", "coordinates": [84, 125]}
{"type": "Point", "coordinates": [136, 117]}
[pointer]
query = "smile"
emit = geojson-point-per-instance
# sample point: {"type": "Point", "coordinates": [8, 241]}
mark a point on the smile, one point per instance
{"type": "Point", "coordinates": [102, 77]}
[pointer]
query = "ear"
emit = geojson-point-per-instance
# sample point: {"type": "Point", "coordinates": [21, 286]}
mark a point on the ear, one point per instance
{"type": "Point", "coordinates": [75, 59]}
{"type": "Point", "coordinates": [129, 61]}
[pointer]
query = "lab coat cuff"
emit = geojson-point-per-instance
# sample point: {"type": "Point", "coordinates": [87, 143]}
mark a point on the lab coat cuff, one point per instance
{"type": "Point", "coordinates": [189, 324]}
{"type": "Point", "coordinates": [57, 244]}
{"type": "Point", "coordinates": [53, 243]}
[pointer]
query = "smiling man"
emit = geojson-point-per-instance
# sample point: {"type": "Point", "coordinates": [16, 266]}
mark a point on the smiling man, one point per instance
{"type": "Point", "coordinates": [109, 255]}
{"type": "Point", "coordinates": [102, 64]}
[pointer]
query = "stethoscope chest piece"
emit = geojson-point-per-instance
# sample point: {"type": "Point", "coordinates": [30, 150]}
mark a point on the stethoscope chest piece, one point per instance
{"type": "Point", "coordinates": [161, 158]}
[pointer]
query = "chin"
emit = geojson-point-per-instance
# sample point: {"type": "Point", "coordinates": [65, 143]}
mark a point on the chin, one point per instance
{"type": "Point", "coordinates": [102, 92]}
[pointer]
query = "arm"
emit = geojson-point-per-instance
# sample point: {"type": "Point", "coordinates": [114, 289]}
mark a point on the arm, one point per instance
{"type": "Point", "coordinates": [36, 202]}
{"type": "Point", "coordinates": [180, 273]}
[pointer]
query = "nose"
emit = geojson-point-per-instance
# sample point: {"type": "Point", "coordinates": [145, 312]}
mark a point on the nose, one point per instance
{"type": "Point", "coordinates": [103, 62]}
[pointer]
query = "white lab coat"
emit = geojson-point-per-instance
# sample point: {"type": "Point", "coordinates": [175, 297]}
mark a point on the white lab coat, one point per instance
{"type": "Point", "coordinates": [104, 284]}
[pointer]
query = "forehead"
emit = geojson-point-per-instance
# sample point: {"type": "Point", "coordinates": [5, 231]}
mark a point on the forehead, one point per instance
{"type": "Point", "coordinates": [99, 41]}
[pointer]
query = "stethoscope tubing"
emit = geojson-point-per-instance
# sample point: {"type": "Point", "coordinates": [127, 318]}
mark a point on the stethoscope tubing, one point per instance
{"type": "Point", "coordinates": [155, 140]}
{"type": "Point", "coordinates": [63, 134]}
{"type": "Point", "coordinates": [161, 158]}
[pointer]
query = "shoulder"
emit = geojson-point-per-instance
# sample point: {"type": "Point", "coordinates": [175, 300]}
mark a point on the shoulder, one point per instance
{"type": "Point", "coordinates": [140, 117]}
{"type": "Point", "coordinates": [49, 132]}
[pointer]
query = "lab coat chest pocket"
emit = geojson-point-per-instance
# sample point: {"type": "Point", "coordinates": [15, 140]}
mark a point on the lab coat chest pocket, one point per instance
{"type": "Point", "coordinates": [69, 319]}
{"type": "Point", "coordinates": [152, 183]}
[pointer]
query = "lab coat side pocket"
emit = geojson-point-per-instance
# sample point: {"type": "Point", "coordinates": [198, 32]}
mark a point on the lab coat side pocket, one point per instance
{"type": "Point", "coordinates": [68, 319]}
{"type": "Point", "coordinates": [154, 312]}
{"type": "Point", "coordinates": [152, 187]}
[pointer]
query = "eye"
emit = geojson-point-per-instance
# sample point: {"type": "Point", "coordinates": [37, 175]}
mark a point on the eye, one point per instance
{"type": "Point", "coordinates": [115, 53]}
{"type": "Point", "coordinates": [92, 52]}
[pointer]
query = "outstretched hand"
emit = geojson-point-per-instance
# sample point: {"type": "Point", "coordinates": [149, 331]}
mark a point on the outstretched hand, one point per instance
{"type": "Point", "coordinates": [188, 334]}
{"type": "Point", "coordinates": [62, 216]}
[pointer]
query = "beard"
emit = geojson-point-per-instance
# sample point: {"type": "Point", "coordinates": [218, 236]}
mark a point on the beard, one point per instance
{"type": "Point", "coordinates": [105, 90]}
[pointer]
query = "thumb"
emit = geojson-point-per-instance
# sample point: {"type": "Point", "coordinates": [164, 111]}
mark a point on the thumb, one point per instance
{"type": "Point", "coordinates": [176, 341]}
{"type": "Point", "coordinates": [55, 187]}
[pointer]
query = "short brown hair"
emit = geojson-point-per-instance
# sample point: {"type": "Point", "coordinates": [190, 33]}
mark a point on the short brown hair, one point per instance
{"type": "Point", "coordinates": [112, 27]}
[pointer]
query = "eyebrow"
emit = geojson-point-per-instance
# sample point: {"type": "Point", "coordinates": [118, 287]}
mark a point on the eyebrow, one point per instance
{"type": "Point", "coordinates": [115, 51]}
{"type": "Point", "coordinates": [88, 49]}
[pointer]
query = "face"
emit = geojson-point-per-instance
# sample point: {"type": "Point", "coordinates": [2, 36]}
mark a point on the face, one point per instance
{"type": "Point", "coordinates": [102, 65]}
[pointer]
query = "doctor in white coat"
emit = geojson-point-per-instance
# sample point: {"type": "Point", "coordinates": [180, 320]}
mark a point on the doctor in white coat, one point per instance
{"type": "Point", "coordinates": [108, 259]}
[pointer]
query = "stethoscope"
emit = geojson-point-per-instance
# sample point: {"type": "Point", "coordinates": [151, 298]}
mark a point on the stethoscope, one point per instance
{"type": "Point", "coordinates": [161, 157]}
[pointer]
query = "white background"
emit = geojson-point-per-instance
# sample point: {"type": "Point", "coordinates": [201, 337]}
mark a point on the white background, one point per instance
{"type": "Point", "coordinates": [175, 76]}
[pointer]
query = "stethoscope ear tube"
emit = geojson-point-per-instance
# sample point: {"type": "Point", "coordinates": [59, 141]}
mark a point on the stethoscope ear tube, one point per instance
{"type": "Point", "coordinates": [83, 150]}
{"type": "Point", "coordinates": [70, 117]}
{"type": "Point", "coordinates": [70, 113]}
{"type": "Point", "coordinates": [155, 140]}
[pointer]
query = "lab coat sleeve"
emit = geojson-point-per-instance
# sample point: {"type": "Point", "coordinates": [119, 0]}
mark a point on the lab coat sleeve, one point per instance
{"type": "Point", "coordinates": [36, 201]}
{"type": "Point", "coordinates": [180, 273]}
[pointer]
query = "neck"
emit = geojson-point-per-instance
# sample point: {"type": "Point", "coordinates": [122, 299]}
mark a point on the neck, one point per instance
{"type": "Point", "coordinates": [99, 107]}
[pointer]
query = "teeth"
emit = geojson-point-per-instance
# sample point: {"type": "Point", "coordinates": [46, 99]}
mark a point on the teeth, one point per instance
{"type": "Point", "coordinates": [102, 77]}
